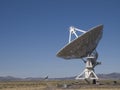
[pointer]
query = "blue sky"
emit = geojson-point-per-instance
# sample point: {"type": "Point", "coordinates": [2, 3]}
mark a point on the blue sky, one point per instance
{"type": "Point", "coordinates": [32, 32]}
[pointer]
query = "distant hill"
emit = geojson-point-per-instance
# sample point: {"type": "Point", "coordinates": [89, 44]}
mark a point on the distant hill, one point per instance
{"type": "Point", "coordinates": [109, 76]}
{"type": "Point", "coordinates": [9, 78]}
{"type": "Point", "coordinates": [101, 76]}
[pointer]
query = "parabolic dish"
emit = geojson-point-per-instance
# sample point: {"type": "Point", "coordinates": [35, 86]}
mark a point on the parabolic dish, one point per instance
{"type": "Point", "coordinates": [82, 46]}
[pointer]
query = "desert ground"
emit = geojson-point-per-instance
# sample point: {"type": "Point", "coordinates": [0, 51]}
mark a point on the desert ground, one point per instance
{"type": "Point", "coordinates": [59, 85]}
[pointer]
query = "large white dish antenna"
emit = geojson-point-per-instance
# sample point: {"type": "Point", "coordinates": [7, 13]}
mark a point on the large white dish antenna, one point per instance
{"type": "Point", "coordinates": [82, 46]}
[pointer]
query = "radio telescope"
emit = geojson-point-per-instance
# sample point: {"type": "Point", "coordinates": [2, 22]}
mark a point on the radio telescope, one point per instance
{"type": "Point", "coordinates": [83, 47]}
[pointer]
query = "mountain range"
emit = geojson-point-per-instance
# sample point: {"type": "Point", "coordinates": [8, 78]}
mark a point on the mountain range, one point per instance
{"type": "Point", "coordinates": [101, 76]}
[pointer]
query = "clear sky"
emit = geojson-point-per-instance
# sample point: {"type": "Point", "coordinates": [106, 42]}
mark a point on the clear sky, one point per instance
{"type": "Point", "coordinates": [33, 31]}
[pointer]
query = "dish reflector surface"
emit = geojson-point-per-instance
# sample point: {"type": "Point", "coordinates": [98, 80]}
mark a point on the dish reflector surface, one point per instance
{"type": "Point", "coordinates": [82, 46]}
